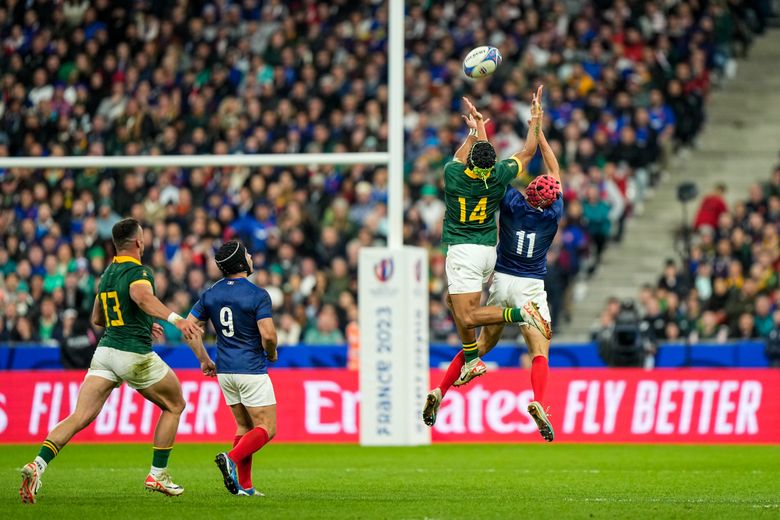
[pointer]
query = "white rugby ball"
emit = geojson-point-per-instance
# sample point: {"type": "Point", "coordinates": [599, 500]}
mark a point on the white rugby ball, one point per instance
{"type": "Point", "coordinates": [481, 62]}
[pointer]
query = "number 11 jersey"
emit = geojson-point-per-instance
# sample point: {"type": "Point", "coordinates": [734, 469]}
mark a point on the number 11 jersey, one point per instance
{"type": "Point", "coordinates": [471, 202]}
{"type": "Point", "coordinates": [234, 306]}
{"type": "Point", "coordinates": [525, 235]}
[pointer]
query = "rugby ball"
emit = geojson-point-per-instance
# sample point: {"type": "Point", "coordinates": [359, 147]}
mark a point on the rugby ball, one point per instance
{"type": "Point", "coordinates": [481, 62]}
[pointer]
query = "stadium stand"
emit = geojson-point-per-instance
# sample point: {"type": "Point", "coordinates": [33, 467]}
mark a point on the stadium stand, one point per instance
{"type": "Point", "coordinates": [626, 86]}
{"type": "Point", "coordinates": [730, 288]}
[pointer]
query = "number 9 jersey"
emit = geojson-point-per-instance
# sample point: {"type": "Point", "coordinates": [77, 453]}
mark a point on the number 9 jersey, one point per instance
{"type": "Point", "coordinates": [128, 328]}
{"type": "Point", "coordinates": [471, 202]}
{"type": "Point", "coordinates": [234, 306]}
{"type": "Point", "coordinates": [526, 234]}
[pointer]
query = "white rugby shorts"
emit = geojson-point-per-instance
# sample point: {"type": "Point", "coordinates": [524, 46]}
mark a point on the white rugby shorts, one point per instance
{"type": "Point", "coordinates": [514, 291]}
{"type": "Point", "coordinates": [469, 267]}
{"type": "Point", "coordinates": [248, 389]}
{"type": "Point", "coordinates": [138, 370]}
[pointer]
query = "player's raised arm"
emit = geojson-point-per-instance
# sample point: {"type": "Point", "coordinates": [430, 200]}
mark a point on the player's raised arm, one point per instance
{"type": "Point", "coordinates": [143, 295]}
{"type": "Point", "coordinates": [477, 132]}
{"type": "Point", "coordinates": [525, 155]}
{"type": "Point", "coordinates": [268, 338]}
{"type": "Point", "coordinates": [550, 161]}
{"type": "Point", "coordinates": [207, 366]}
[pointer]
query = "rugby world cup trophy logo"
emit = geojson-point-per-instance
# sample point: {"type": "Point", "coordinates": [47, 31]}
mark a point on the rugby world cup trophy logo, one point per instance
{"type": "Point", "coordinates": [384, 269]}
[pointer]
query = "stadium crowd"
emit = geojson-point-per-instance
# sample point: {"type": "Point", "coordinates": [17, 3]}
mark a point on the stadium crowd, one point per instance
{"type": "Point", "coordinates": [730, 288]}
{"type": "Point", "coordinates": [626, 86]}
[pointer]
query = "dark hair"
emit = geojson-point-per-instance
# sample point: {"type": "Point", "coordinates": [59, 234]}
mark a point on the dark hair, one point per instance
{"type": "Point", "coordinates": [231, 258]}
{"type": "Point", "coordinates": [482, 155]}
{"type": "Point", "coordinates": [124, 232]}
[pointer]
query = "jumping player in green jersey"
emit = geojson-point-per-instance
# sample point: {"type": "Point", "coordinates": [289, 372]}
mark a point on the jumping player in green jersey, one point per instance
{"type": "Point", "coordinates": [127, 307]}
{"type": "Point", "coordinates": [474, 185]}
{"type": "Point", "coordinates": [528, 223]}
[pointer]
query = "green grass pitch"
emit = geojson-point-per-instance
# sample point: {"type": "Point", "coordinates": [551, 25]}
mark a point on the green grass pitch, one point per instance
{"type": "Point", "coordinates": [442, 481]}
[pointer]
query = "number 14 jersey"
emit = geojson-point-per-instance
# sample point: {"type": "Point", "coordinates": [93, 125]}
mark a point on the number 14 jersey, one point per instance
{"type": "Point", "coordinates": [471, 202]}
{"type": "Point", "coordinates": [525, 235]}
{"type": "Point", "coordinates": [234, 306]}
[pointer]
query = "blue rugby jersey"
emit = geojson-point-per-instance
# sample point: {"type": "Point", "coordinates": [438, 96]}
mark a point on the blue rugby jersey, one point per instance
{"type": "Point", "coordinates": [234, 305]}
{"type": "Point", "coordinates": [525, 234]}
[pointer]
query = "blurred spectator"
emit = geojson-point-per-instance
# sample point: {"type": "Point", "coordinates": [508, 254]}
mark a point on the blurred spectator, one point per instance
{"type": "Point", "coordinates": [289, 331]}
{"type": "Point", "coordinates": [712, 206]}
{"type": "Point", "coordinates": [431, 208]}
{"type": "Point", "coordinates": [326, 331]}
{"type": "Point", "coordinates": [595, 212]}
{"type": "Point", "coordinates": [76, 339]}
{"type": "Point", "coordinates": [671, 280]}
{"type": "Point", "coordinates": [763, 320]}
{"type": "Point", "coordinates": [745, 327]}
{"type": "Point", "coordinates": [47, 320]}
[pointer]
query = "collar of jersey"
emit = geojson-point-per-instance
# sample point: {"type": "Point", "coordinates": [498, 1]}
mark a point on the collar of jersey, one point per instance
{"type": "Point", "coordinates": [473, 175]}
{"type": "Point", "coordinates": [123, 259]}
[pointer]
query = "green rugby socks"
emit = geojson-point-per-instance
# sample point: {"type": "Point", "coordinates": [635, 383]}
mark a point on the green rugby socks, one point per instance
{"type": "Point", "coordinates": [160, 458]}
{"type": "Point", "coordinates": [470, 351]}
{"type": "Point", "coordinates": [512, 315]}
{"type": "Point", "coordinates": [46, 454]}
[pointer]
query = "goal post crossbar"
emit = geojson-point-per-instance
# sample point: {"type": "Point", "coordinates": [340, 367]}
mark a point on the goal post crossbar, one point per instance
{"type": "Point", "coordinates": [191, 161]}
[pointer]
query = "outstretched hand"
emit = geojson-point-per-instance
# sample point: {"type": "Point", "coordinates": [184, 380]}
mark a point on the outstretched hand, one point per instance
{"type": "Point", "coordinates": [471, 122]}
{"type": "Point", "coordinates": [471, 109]}
{"type": "Point", "coordinates": [536, 111]}
{"type": "Point", "coordinates": [473, 115]}
{"type": "Point", "coordinates": [536, 103]}
{"type": "Point", "coordinates": [189, 329]}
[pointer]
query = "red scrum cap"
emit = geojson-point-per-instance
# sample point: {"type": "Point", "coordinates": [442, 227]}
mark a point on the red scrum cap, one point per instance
{"type": "Point", "coordinates": [543, 191]}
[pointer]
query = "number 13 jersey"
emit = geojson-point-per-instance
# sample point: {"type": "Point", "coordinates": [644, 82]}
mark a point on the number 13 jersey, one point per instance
{"type": "Point", "coordinates": [128, 328]}
{"type": "Point", "coordinates": [471, 203]}
{"type": "Point", "coordinates": [525, 235]}
{"type": "Point", "coordinates": [234, 306]}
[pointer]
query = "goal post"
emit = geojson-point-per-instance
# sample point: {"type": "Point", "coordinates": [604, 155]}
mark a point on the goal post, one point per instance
{"type": "Point", "coordinates": [393, 295]}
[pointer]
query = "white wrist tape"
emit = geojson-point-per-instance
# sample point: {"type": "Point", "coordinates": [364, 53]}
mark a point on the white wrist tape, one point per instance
{"type": "Point", "coordinates": [173, 318]}
{"type": "Point", "coordinates": [473, 131]}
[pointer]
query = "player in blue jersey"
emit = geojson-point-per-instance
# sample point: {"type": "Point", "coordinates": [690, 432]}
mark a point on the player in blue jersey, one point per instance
{"type": "Point", "coordinates": [246, 341]}
{"type": "Point", "coordinates": [527, 226]}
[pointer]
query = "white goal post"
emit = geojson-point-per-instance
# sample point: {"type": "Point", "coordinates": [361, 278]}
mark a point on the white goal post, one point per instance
{"type": "Point", "coordinates": [394, 344]}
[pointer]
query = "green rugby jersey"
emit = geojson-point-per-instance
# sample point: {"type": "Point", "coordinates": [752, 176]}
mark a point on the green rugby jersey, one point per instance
{"type": "Point", "coordinates": [128, 328]}
{"type": "Point", "coordinates": [471, 203]}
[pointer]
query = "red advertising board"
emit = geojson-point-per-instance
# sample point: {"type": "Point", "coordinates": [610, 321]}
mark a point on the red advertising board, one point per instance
{"type": "Point", "coordinates": [680, 406]}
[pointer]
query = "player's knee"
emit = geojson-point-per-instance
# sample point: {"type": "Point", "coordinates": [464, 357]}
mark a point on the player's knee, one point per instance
{"type": "Point", "coordinates": [176, 406]}
{"type": "Point", "coordinates": [469, 321]}
{"type": "Point", "coordinates": [271, 429]}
